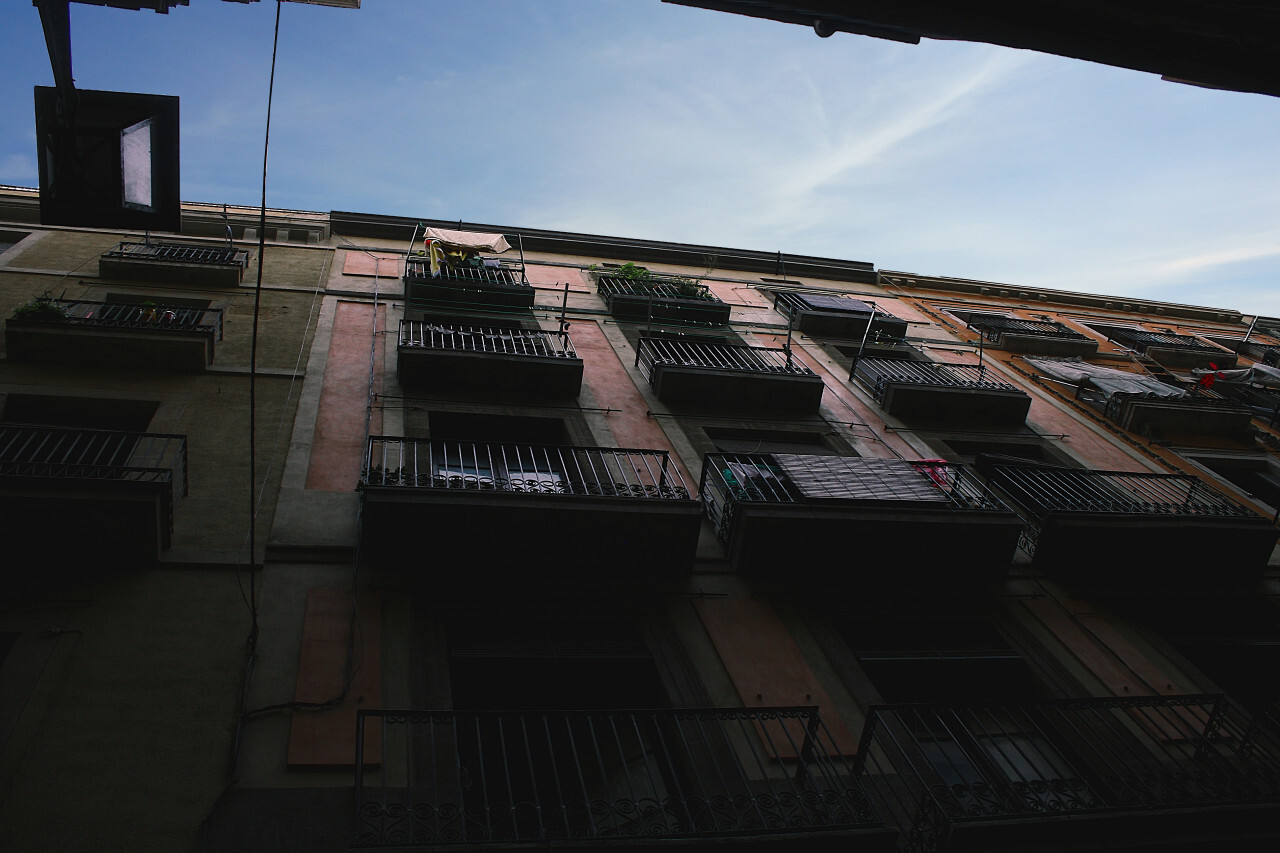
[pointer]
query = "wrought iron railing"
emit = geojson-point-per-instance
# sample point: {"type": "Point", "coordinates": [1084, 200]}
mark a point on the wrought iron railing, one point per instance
{"type": "Point", "coordinates": [488, 272]}
{"type": "Point", "coordinates": [525, 468]}
{"type": "Point", "coordinates": [175, 253]}
{"type": "Point", "coordinates": [791, 303]}
{"type": "Point", "coordinates": [145, 316]}
{"type": "Point", "coordinates": [93, 454]}
{"type": "Point", "coordinates": [487, 339]}
{"type": "Point", "coordinates": [1041, 492]}
{"type": "Point", "coordinates": [729, 480]}
{"type": "Point", "coordinates": [656, 286]}
{"type": "Point", "coordinates": [927, 767]}
{"type": "Point", "coordinates": [995, 328]}
{"type": "Point", "coordinates": [1112, 405]}
{"type": "Point", "coordinates": [1142, 340]}
{"type": "Point", "coordinates": [738, 358]}
{"type": "Point", "coordinates": [446, 777]}
{"type": "Point", "coordinates": [877, 374]}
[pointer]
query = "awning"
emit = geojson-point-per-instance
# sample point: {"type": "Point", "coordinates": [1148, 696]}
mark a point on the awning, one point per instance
{"type": "Point", "coordinates": [473, 240]}
{"type": "Point", "coordinates": [1108, 380]}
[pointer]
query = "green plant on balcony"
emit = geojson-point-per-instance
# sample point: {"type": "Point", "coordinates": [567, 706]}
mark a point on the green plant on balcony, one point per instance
{"type": "Point", "coordinates": [643, 281]}
{"type": "Point", "coordinates": [42, 310]}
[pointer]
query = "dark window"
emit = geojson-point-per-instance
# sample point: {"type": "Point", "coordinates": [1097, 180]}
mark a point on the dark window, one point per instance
{"type": "Point", "coordinates": [731, 440]}
{"type": "Point", "coordinates": [1256, 477]}
{"type": "Point", "coordinates": [167, 300]}
{"type": "Point", "coordinates": [551, 664]}
{"type": "Point", "coordinates": [83, 412]}
{"type": "Point", "coordinates": [9, 239]}
{"type": "Point", "coordinates": [466, 426]}
{"type": "Point", "coordinates": [966, 451]}
{"type": "Point", "coordinates": [939, 659]}
{"type": "Point", "coordinates": [1235, 642]}
{"type": "Point", "coordinates": [7, 639]}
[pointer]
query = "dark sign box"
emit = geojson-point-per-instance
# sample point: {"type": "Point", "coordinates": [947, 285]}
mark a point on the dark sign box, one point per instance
{"type": "Point", "coordinates": [112, 162]}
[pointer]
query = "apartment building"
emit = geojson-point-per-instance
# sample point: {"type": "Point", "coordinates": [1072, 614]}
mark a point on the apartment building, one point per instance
{"type": "Point", "coordinates": [571, 540]}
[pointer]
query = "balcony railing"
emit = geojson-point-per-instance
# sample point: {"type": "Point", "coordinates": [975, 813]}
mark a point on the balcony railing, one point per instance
{"type": "Point", "coordinates": [880, 373]}
{"type": "Point", "coordinates": [523, 468]}
{"type": "Point", "coordinates": [994, 329]}
{"type": "Point", "coordinates": [657, 287]}
{"type": "Point", "coordinates": [1041, 492]}
{"type": "Point", "coordinates": [731, 480]}
{"type": "Point", "coordinates": [934, 768]}
{"type": "Point", "coordinates": [662, 299]}
{"type": "Point", "coordinates": [92, 454]}
{"type": "Point", "coordinates": [174, 253]}
{"type": "Point", "coordinates": [490, 272]}
{"type": "Point", "coordinates": [485, 339]}
{"type": "Point", "coordinates": [121, 315]}
{"type": "Point", "coordinates": [600, 776]}
{"type": "Point", "coordinates": [1140, 339]}
{"type": "Point", "coordinates": [738, 358]}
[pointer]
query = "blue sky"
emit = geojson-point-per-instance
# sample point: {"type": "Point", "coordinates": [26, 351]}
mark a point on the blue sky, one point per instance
{"type": "Point", "coordinates": [637, 118]}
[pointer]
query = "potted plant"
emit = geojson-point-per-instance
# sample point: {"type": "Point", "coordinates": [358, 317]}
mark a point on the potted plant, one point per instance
{"type": "Point", "coordinates": [43, 310]}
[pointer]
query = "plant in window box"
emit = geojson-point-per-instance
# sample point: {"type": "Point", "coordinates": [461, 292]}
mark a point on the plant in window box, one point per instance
{"type": "Point", "coordinates": [42, 310]}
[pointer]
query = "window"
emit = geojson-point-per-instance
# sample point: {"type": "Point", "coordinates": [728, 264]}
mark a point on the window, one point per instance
{"type": "Point", "coordinates": [522, 663]}
{"type": "Point", "coordinates": [1256, 476]}
{"type": "Point", "coordinates": [941, 658]}
{"type": "Point", "coordinates": [731, 440]}
{"type": "Point", "coordinates": [83, 412]}
{"type": "Point", "coordinates": [1233, 641]}
{"type": "Point", "coordinates": [1031, 449]}
{"type": "Point", "coordinates": [9, 239]}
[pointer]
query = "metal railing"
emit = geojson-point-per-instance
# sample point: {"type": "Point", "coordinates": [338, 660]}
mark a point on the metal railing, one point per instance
{"type": "Point", "coordinates": [792, 303]}
{"type": "Point", "coordinates": [1040, 492]}
{"type": "Point", "coordinates": [92, 454]}
{"type": "Point", "coordinates": [656, 286]}
{"type": "Point", "coordinates": [526, 468]}
{"type": "Point", "coordinates": [1112, 405]}
{"type": "Point", "coordinates": [995, 328]}
{"type": "Point", "coordinates": [490, 272]}
{"type": "Point", "coordinates": [152, 317]}
{"type": "Point", "coordinates": [447, 777]}
{"type": "Point", "coordinates": [489, 339]}
{"type": "Point", "coordinates": [877, 374]}
{"type": "Point", "coordinates": [732, 479]}
{"type": "Point", "coordinates": [927, 767]}
{"type": "Point", "coordinates": [744, 359]}
{"type": "Point", "coordinates": [1141, 340]}
{"type": "Point", "coordinates": [1050, 490]}
{"type": "Point", "coordinates": [175, 253]}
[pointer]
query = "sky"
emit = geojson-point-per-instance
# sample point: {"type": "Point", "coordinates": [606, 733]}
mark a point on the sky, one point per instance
{"type": "Point", "coordinates": [641, 119]}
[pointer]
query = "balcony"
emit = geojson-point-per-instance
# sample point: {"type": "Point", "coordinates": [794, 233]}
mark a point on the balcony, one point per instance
{"type": "Point", "coordinates": [173, 263]}
{"type": "Point", "coordinates": [724, 376]}
{"type": "Point", "coordinates": [488, 510]}
{"type": "Point", "coordinates": [951, 394]}
{"type": "Point", "coordinates": [1198, 415]}
{"type": "Point", "coordinates": [828, 315]}
{"type": "Point", "coordinates": [1119, 531]}
{"type": "Point", "coordinates": [879, 516]}
{"type": "Point", "coordinates": [1186, 773]}
{"type": "Point", "coordinates": [1169, 349]}
{"type": "Point", "coordinates": [492, 360]}
{"type": "Point", "coordinates": [1040, 337]}
{"type": "Point", "coordinates": [664, 300]}
{"type": "Point", "coordinates": [99, 494]}
{"type": "Point", "coordinates": [590, 779]}
{"type": "Point", "coordinates": [487, 284]}
{"type": "Point", "coordinates": [143, 336]}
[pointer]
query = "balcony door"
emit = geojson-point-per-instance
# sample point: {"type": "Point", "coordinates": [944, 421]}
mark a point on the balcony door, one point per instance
{"type": "Point", "coordinates": [546, 746]}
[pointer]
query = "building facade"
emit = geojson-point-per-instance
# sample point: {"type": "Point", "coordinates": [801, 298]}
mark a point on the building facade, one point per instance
{"type": "Point", "coordinates": [561, 539]}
